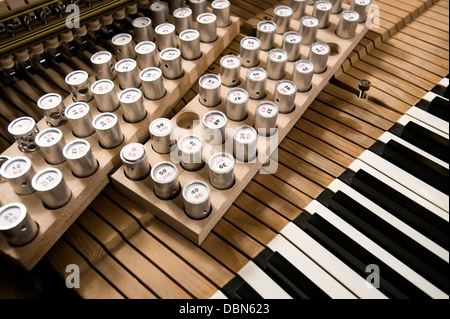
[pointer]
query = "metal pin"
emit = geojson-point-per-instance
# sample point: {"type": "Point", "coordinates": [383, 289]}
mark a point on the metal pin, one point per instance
{"type": "Point", "coordinates": [190, 44]}
{"type": "Point", "coordinates": [79, 85]}
{"type": "Point", "coordinates": [302, 75]}
{"type": "Point", "coordinates": [103, 65]}
{"type": "Point", "coordinates": [51, 188]}
{"type": "Point", "coordinates": [221, 170]}
{"type": "Point", "coordinates": [51, 142]}
{"type": "Point", "coordinates": [209, 90]}
{"type": "Point", "coordinates": [361, 7]}
{"type": "Point", "coordinates": [191, 152]}
{"type": "Point", "coordinates": [135, 161]}
{"type": "Point", "coordinates": [143, 30]}
{"type": "Point", "coordinates": [266, 118]}
{"type": "Point", "coordinates": [128, 72]}
{"type": "Point", "coordinates": [171, 64]}
{"type": "Point", "coordinates": [322, 11]}
{"type": "Point", "coordinates": [108, 130]}
{"type": "Point", "coordinates": [282, 16]}
{"type": "Point", "coordinates": [364, 86]}
{"type": "Point", "coordinates": [222, 10]}
{"type": "Point", "coordinates": [308, 29]}
{"type": "Point", "coordinates": [284, 96]}
{"type": "Point", "coordinates": [249, 52]}
{"type": "Point", "coordinates": [18, 172]}
{"type": "Point", "coordinates": [337, 6]}
{"type": "Point", "coordinates": [132, 105]}
{"type": "Point", "coordinates": [160, 13]}
{"type": "Point", "coordinates": [123, 46]}
{"type": "Point", "coordinates": [52, 108]}
{"type": "Point", "coordinates": [165, 36]}
{"type": "Point", "coordinates": [153, 83]}
{"type": "Point", "coordinates": [16, 225]}
{"type": "Point", "coordinates": [165, 178]}
{"type": "Point", "coordinates": [24, 130]}
{"type": "Point", "coordinates": [207, 27]}
{"type": "Point", "coordinates": [80, 118]}
{"type": "Point", "coordinates": [256, 82]}
{"type": "Point", "coordinates": [182, 19]}
{"type": "Point", "coordinates": [196, 195]}
{"type": "Point", "coordinates": [147, 55]}
{"type": "Point", "coordinates": [236, 105]}
{"type": "Point", "coordinates": [160, 131]}
{"type": "Point", "coordinates": [347, 25]}
{"type": "Point", "coordinates": [80, 157]}
{"type": "Point", "coordinates": [214, 123]}
{"type": "Point", "coordinates": [265, 32]}
{"type": "Point", "coordinates": [318, 55]}
{"type": "Point", "coordinates": [105, 95]}
{"type": "Point", "coordinates": [198, 7]}
{"type": "Point", "coordinates": [291, 44]}
{"type": "Point", "coordinates": [276, 64]}
{"type": "Point", "coordinates": [298, 8]}
{"type": "Point", "coordinates": [230, 70]}
{"type": "Point", "coordinates": [244, 143]}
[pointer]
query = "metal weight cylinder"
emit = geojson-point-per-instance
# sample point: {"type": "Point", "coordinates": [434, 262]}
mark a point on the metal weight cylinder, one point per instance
{"type": "Point", "coordinates": [182, 19]}
{"type": "Point", "coordinates": [80, 118]}
{"type": "Point", "coordinates": [24, 130]}
{"type": "Point", "coordinates": [105, 95]}
{"type": "Point", "coordinates": [79, 85]}
{"type": "Point", "coordinates": [52, 108]}
{"type": "Point", "coordinates": [143, 30]}
{"type": "Point", "coordinates": [222, 10]}
{"type": "Point", "coordinates": [209, 90]}
{"type": "Point", "coordinates": [160, 131]}
{"type": "Point", "coordinates": [236, 107]}
{"type": "Point", "coordinates": [302, 75]}
{"type": "Point", "coordinates": [16, 225]}
{"type": "Point", "coordinates": [191, 152]}
{"type": "Point", "coordinates": [265, 32]}
{"type": "Point", "coordinates": [132, 105]}
{"type": "Point", "coordinates": [171, 63]}
{"type": "Point", "coordinates": [318, 55]}
{"type": "Point", "coordinates": [256, 81]}
{"type": "Point", "coordinates": [51, 188]}
{"type": "Point", "coordinates": [207, 27]}
{"type": "Point", "coordinates": [135, 161]}
{"type": "Point", "coordinates": [221, 170]}
{"type": "Point", "coordinates": [165, 180]}
{"type": "Point", "coordinates": [337, 6]}
{"type": "Point", "coordinates": [276, 64]}
{"type": "Point", "coordinates": [147, 55]}
{"type": "Point", "coordinates": [174, 5]}
{"type": "Point", "coordinates": [322, 11]}
{"type": "Point", "coordinates": [244, 143]}
{"type": "Point", "coordinates": [249, 51]}
{"type": "Point", "coordinates": [51, 143]}
{"type": "Point", "coordinates": [266, 115]}
{"type": "Point", "coordinates": [165, 36]}
{"type": "Point", "coordinates": [103, 65]}
{"type": "Point", "coordinates": [198, 7]}
{"type": "Point", "coordinates": [230, 70]}
{"type": "Point", "coordinates": [123, 46]}
{"type": "Point", "coordinates": [108, 130]}
{"type": "Point", "coordinates": [196, 195]}
{"type": "Point", "coordinates": [282, 16]}
{"type": "Point", "coordinates": [18, 172]}
{"type": "Point", "coordinates": [214, 123]}
{"type": "Point", "coordinates": [291, 45]}
{"type": "Point", "coordinates": [128, 74]}
{"type": "Point", "coordinates": [361, 7]}
{"type": "Point", "coordinates": [190, 44]}
{"type": "Point", "coordinates": [308, 29]}
{"type": "Point", "coordinates": [153, 83]}
{"type": "Point", "coordinates": [298, 8]}
{"type": "Point", "coordinates": [347, 25]}
{"type": "Point", "coordinates": [159, 12]}
{"type": "Point", "coordinates": [80, 157]}
{"type": "Point", "coordinates": [284, 96]}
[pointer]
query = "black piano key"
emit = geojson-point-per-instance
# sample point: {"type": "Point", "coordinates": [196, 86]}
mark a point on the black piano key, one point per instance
{"type": "Point", "coordinates": [391, 239]}
{"type": "Point", "coordinates": [424, 139]}
{"type": "Point", "coordinates": [417, 165]}
{"type": "Point", "coordinates": [288, 277]}
{"type": "Point", "coordinates": [399, 205]}
{"type": "Point", "coordinates": [239, 289]}
{"type": "Point", "coordinates": [392, 284]}
{"type": "Point", "coordinates": [438, 106]}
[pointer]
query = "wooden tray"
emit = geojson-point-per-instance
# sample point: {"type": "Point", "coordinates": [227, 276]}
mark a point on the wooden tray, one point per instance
{"type": "Point", "coordinates": [172, 211]}
{"type": "Point", "coordinates": [53, 223]}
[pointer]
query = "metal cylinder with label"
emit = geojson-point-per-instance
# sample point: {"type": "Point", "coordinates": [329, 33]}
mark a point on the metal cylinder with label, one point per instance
{"type": "Point", "coordinates": [322, 11]}
{"type": "Point", "coordinates": [143, 30]}
{"type": "Point", "coordinates": [51, 188]}
{"type": "Point", "coordinates": [265, 32]}
{"type": "Point", "coordinates": [182, 19]}
{"type": "Point", "coordinates": [318, 55]}
{"type": "Point", "coordinates": [249, 51]}
{"type": "Point", "coordinates": [80, 118]}
{"type": "Point", "coordinates": [196, 195]}
{"type": "Point", "coordinates": [191, 152]}
{"type": "Point", "coordinates": [51, 143]}
{"type": "Point", "coordinates": [230, 70]}
{"type": "Point", "coordinates": [165, 180]}
{"type": "Point", "coordinates": [18, 172]}
{"type": "Point", "coordinates": [123, 46]}
{"type": "Point", "coordinates": [236, 107]}
{"type": "Point", "coordinates": [165, 36]}
{"type": "Point", "coordinates": [79, 85]}
{"type": "Point", "coordinates": [244, 143]}
{"type": "Point", "coordinates": [302, 75]}
{"type": "Point", "coordinates": [266, 115]}
{"type": "Point", "coordinates": [105, 95]}
{"type": "Point", "coordinates": [132, 105]}
{"type": "Point", "coordinates": [24, 130]}
{"type": "Point", "coordinates": [159, 12]}
{"type": "Point", "coordinates": [135, 161]}
{"type": "Point", "coordinates": [284, 96]}
{"type": "Point", "coordinates": [174, 5]}
{"type": "Point", "coordinates": [347, 25]}
{"type": "Point", "coordinates": [80, 157]}
{"type": "Point", "coordinates": [103, 65]}
{"type": "Point", "coordinates": [198, 7]}
{"type": "Point", "coordinates": [209, 90]}
{"type": "Point", "coordinates": [128, 74]}
{"type": "Point", "coordinates": [190, 44]}
{"type": "Point", "coordinates": [147, 55]}
{"type": "Point", "coordinates": [361, 7]}
{"type": "Point", "coordinates": [171, 63]}
{"type": "Point", "coordinates": [282, 16]}
{"type": "Point", "coordinates": [161, 134]}
{"type": "Point", "coordinates": [153, 83]}
{"type": "Point", "coordinates": [221, 170]}
{"type": "Point", "coordinates": [222, 10]}
{"type": "Point", "coordinates": [207, 27]}
{"type": "Point", "coordinates": [336, 6]}
{"type": "Point", "coordinates": [308, 29]}
{"type": "Point", "coordinates": [276, 64]}
{"type": "Point", "coordinates": [16, 225]}
{"type": "Point", "coordinates": [291, 45]}
{"type": "Point", "coordinates": [298, 8]}
{"type": "Point", "coordinates": [256, 81]}
{"type": "Point", "coordinates": [214, 123]}
{"type": "Point", "coordinates": [108, 130]}
{"type": "Point", "coordinates": [52, 108]}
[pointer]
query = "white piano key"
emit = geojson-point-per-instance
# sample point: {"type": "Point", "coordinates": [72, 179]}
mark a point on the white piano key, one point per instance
{"type": "Point", "coordinates": [376, 250]}
{"type": "Point", "coordinates": [310, 269]}
{"type": "Point", "coordinates": [333, 265]}
{"type": "Point", "coordinates": [429, 118]}
{"type": "Point", "coordinates": [218, 295]}
{"type": "Point", "coordinates": [405, 119]}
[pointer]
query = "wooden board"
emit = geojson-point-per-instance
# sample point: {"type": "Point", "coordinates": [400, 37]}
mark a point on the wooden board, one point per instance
{"type": "Point", "coordinates": [172, 211]}
{"type": "Point", "coordinates": [53, 223]}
